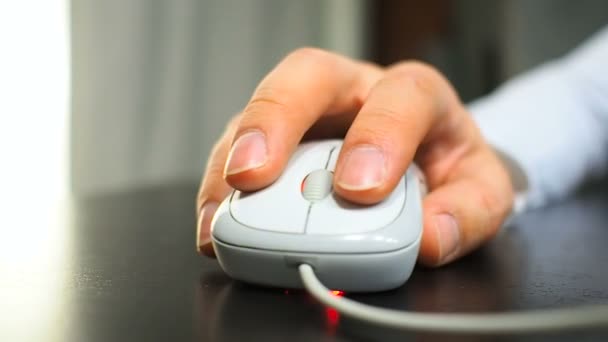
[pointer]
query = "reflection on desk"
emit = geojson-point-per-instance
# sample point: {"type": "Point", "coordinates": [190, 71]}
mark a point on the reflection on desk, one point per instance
{"type": "Point", "coordinates": [126, 269]}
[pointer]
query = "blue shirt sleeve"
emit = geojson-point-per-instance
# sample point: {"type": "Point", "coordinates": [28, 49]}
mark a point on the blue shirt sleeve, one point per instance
{"type": "Point", "coordinates": [553, 121]}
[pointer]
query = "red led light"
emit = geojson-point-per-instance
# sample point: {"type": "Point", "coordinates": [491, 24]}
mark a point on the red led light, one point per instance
{"type": "Point", "coordinates": [337, 293]}
{"type": "Point", "coordinates": [333, 317]}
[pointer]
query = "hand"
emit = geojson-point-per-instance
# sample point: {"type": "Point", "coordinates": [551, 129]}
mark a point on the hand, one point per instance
{"type": "Point", "coordinates": [388, 118]}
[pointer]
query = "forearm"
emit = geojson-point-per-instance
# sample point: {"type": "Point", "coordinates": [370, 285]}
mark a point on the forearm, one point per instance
{"type": "Point", "coordinates": [552, 122]}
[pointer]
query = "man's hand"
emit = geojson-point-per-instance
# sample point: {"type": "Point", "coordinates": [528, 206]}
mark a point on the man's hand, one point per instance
{"type": "Point", "coordinates": [388, 118]}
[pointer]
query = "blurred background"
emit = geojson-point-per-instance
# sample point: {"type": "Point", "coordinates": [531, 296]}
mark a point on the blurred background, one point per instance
{"type": "Point", "coordinates": [111, 95]}
{"type": "Point", "coordinates": [100, 96]}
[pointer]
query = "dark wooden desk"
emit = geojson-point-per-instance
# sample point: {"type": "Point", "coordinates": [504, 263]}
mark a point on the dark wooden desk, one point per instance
{"type": "Point", "coordinates": [129, 272]}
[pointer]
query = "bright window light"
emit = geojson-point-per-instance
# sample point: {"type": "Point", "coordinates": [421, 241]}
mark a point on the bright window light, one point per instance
{"type": "Point", "coordinates": [34, 97]}
{"type": "Point", "coordinates": [34, 106]}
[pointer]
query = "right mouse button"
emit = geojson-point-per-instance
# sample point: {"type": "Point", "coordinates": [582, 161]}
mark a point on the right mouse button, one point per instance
{"type": "Point", "coordinates": [336, 216]}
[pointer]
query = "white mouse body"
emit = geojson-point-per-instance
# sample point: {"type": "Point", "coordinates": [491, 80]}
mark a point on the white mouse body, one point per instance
{"type": "Point", "coordinates": [262, 237]}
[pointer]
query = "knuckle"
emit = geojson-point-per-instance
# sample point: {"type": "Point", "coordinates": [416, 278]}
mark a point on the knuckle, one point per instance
{"type": "Point", "coordinates": [266, 101]}
{"type": "Point", "coordinates": [309, 53]}
{"type": "Point", "coordinates": [386, 120]}
{"type": "Point", "coordinates": [386, 117]}
{"type": "Point", "coordinates": [429, 83]}
{"type": "Point", "coordinates": [415, 67]}
{"type": "Point", "coordinates": [311, 58]}
{"type": "Point", "coordinates": [378, 134]}
{"type": "Point", "coordinates": [422, 76]}
{"type": "Point", "coordinates": [492, 204]}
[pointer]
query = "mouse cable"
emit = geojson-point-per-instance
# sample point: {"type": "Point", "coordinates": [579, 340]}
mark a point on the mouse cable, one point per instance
{"type": "Point", "coordinates": [545, 320]}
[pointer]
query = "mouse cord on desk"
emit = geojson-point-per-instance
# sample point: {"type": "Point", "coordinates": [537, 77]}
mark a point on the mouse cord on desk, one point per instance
{"type": "Point", "coordinates": [549, 320]}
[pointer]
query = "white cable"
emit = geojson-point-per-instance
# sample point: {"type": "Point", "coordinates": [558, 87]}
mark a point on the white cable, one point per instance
{"type": "Point", "coordinates": [486, 323]}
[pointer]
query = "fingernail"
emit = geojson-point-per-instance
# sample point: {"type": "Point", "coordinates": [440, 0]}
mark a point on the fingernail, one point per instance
{"type": "Point", "coordinates": [203, 228]}
{"type": "Point", "coordinates": [363, 168]}
{"type": "Point", "coordinates": [248, 152]}
{"type": "Point", "coordinates": [448, 235]}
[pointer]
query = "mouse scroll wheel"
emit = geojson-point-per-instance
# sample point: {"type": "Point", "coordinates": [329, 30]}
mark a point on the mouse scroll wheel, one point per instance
{"type": "Point", "coordinates": [317, 185]}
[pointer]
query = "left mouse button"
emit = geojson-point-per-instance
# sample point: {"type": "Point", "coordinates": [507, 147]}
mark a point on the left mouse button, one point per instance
{"type": "Point", "coordinates": [269, 213]}
{"type": "Point", "coordinates": [280, 207]}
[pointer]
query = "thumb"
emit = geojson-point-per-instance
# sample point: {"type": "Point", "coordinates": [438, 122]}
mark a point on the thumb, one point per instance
{"type": "Point", "coordinates": [463, 213]}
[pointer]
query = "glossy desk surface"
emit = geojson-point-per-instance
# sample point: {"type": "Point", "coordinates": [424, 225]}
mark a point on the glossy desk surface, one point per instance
{"type": "Point", "coordinates": [122, 267]}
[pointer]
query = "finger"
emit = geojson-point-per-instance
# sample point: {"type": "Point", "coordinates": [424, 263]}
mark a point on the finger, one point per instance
{"type": "Point", "coordinates": [213, 190]}
{"type": "Point", "coordinates": [304, 86]}
{"type": "Point", "coordinates": [466, 211]}
{"type": "Point", "coordinates": [401, 111]}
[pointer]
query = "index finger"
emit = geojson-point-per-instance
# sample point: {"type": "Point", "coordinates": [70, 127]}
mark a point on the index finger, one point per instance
{"type": "Point", "coordinates": [307, 84]}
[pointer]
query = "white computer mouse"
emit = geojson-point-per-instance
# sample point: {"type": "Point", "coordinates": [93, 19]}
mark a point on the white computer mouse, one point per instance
{"type": "Point", "coordinates": [261, 237]}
